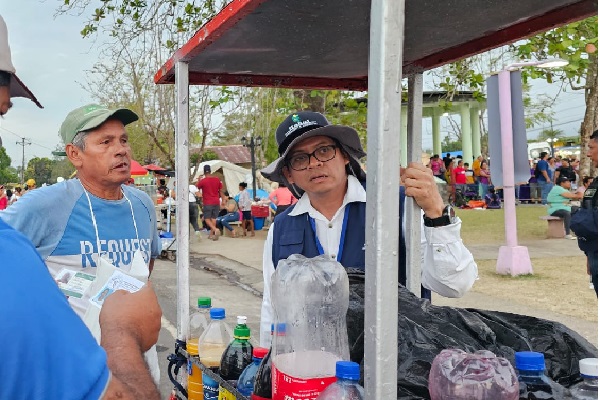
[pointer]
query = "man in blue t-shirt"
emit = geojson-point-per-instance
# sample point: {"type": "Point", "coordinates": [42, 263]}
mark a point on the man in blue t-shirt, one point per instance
{"type": "Point", "coordinates": [544, 178]}
{"type": "Point", "coordinates": [48, 352]}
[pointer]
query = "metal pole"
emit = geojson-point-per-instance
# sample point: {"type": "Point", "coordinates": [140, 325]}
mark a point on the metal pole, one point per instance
{"type": "Point", "coordinates": [412, 219]}
{"type": "Point", "coordinates": [512, 258]}
{"type": "Point", "coordinates": [182, 178]}
{"type": "Point", "coordinates": [382, 228]}
{"type": "Point", "coordinates": [253, 161]}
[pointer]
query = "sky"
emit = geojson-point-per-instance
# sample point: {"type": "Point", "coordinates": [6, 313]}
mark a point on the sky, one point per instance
{"type": "Point", "coordinates": [51, 58]}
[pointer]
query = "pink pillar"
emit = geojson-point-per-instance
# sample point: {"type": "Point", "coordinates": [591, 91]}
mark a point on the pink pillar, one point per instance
{"type": "Point", "coordinates": [512, 259]}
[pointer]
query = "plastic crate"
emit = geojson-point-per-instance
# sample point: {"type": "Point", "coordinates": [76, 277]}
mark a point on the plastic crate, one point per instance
{"type": "Point", "coordinates": [260, 211]}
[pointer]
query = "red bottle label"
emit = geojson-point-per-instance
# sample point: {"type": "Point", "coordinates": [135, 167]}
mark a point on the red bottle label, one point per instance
{"type": "Point", "coordinates": [286, 387]}
{"type": "Point", "coordinates": [255, 397]}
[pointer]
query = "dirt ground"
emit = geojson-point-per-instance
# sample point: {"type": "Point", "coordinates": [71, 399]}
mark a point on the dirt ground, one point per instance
{"type": "Point", "coordinates": [559, 285]}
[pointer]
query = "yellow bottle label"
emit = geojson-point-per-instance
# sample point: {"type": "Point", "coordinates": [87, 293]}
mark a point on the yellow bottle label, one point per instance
{"type": "Point", "coordinates": [225, 394]}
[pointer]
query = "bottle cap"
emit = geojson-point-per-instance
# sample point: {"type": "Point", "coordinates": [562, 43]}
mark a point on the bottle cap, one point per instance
{"type": "Point", "coordinates": [281, 328]}
{"type": "Point", "coordinates": [241, 319]}
{"type": "Point", "coordinates": [204, 302]}
{"type": "Point", "coordinates": [529, 361]}
{"type": "Point", "coordinates": [589, 367]}
{"type": "Point", "coordinates": [217, 313]}
{"type": "Point", "coordinates": [241, 331]}
{"type": "Point", "coordinates": [347, 370]}
{"type": "Point", "coordinates": [259, 352]}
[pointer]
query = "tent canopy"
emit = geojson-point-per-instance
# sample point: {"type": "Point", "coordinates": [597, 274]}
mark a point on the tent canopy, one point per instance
{"type": "Point", "coordinates": [325, 44]}
{"type": "Point", "coordinates": [137, 169]}
{"type": "Point", "coordinates": [232, 175]}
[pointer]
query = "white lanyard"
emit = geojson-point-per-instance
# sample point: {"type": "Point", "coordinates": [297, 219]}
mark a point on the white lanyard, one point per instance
{"type": "Point", "coordinates": [94, 217]}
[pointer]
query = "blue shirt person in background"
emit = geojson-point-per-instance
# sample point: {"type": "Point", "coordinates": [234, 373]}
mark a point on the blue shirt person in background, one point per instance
{"type": "Point", "coordinates": [544, 178]}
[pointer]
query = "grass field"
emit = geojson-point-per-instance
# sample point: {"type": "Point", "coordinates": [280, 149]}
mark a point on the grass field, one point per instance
{"type": "Point", "coordinates": [487, 226]}
{"type": "Point", "coordinates": [559, 284]}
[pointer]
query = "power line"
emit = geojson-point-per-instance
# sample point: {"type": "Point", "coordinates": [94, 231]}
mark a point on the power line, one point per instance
{"type": "Point", "coordinates": [21, 137]}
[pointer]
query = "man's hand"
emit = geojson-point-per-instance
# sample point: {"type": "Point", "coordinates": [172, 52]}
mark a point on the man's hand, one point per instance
{"type": "Point", "coordinates": [420, 185]}
{"type": "Point", "coordinates": [136, 315]}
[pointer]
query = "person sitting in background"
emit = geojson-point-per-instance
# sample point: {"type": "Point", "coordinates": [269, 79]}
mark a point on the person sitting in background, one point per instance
{"type": "Point", "coordinates": [558, 203]}
{"type": "Point", "coordinates": [437, 166]}
{"type": "Point", "coordinates": [282, 198]}
{"type": "Point", "coordinates": [232, 215]}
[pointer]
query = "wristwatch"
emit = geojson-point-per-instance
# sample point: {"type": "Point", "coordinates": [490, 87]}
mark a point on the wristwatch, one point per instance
{"type": "Point", "coordinates": [448, 217]}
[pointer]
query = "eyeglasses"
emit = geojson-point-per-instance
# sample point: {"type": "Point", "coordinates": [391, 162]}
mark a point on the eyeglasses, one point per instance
{"type": "Point", "coordinates": [301, 161]}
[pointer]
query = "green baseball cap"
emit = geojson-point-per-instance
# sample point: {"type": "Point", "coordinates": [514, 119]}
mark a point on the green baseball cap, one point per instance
{"type": "Point", "coordinates": [90, 117]}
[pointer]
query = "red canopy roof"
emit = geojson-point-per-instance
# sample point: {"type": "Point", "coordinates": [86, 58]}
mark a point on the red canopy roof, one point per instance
{"type": "Point", "coordinates": [153, 167]}
{"type": "Point", "coordinates": [137, 169]}
{"type": "Point", "coordinates": [325, 44]}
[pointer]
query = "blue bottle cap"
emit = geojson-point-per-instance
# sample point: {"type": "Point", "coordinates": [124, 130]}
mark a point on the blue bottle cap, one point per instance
{"type": "Point", "coordinates": [347, 370]}
{"type": "Point", "coordinates": [217, 313]}
{"type": "Point", "coordinates": [529, 361]}
{"type": "Point", "coordinates": [281, 328]}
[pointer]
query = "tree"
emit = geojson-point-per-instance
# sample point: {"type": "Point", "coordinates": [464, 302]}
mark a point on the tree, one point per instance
{"type": "Point", "coordinates": [40, 169]}
{"type": "Point", "coordinates": [577, 43]}
{"type": "Point", "coordinates": [7, 173]}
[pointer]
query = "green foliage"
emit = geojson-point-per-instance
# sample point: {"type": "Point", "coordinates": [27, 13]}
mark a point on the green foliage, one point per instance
{"type": "Point", "coordinates": [570, 42]}
{"type": "Point", "coordinates": [451, 145]}
{"type": "Point", "coordinates": [40, 169]}
{"type": "Point", "coordinates": [7, 173]}
{"type": "Point", "coordinates": [209, 155]}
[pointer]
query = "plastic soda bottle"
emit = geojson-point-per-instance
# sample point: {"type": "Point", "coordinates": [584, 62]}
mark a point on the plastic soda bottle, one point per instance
{"type": "Point", "coordinates": [346, 387]}
{"type": "Point", "coordinates": [262, 382]}
{"type": "Point", "coordinates": [198, 323]}
{"type": "Point", "coordinates": [588, 389]}
{"type": "Point", "coordinates": [238, 353]}
{"type": "Point", "coordinates": [245, 383]}
{"type": "Point", "coordinates": [211, 346]}
{"type": "Point", "coordinates": [533, 382]}
{"type": "Point", "coordinates": [236, 357]}
{"type": "Point", "coordinates": [310, 295]}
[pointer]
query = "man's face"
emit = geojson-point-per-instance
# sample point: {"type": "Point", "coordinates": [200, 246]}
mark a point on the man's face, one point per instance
{"type": "Point", "coordinates": [319, 177]}
{"type": "Point", "coordinates": [105, 161]}
{"type": "Point", "coordinates": [5, 103]}
{"type": "Point", "coordinates": [593, 151]}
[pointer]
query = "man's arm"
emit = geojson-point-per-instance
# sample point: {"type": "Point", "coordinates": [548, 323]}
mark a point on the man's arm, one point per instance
{"type": "Point", "coordinates": [447, 266]}
{"type": "Point", "coordinates": [130, 323]}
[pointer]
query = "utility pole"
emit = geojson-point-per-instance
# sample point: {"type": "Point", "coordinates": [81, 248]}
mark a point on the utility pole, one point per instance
{"type": "Point", "coordinates": [23, 143]}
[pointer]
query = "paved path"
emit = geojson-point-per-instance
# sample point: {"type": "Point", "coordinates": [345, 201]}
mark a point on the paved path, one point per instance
{"type": "Point", "coordinates": [241, 259]}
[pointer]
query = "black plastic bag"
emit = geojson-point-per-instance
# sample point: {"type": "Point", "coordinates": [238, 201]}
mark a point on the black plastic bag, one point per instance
{"type": "Point", "coordinates": [425, 329]}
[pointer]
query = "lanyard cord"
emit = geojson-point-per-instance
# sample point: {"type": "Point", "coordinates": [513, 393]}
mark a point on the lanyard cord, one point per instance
{"type": "Point", "coordinates": [94, 217]}
{"type": "Point", "coordinates": [342, 236]}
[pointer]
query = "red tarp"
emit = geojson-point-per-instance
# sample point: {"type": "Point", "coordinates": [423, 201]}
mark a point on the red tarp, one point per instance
{"type": "Point", "coordinates": [137, 169]}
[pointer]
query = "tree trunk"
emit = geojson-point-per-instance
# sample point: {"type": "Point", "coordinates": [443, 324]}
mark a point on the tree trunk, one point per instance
{"type": "Point", "coordinates": [590, 119]}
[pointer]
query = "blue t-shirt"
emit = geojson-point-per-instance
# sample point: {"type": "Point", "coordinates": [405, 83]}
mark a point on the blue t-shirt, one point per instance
{"type": "Point", "coordinates": [556, 201]}
{"type": "Point", "coordinates": [47, 351]}
{"type": "Point", "coordinates": [544, 166]}
{"type": "Point", "coordinates": [58, 221]}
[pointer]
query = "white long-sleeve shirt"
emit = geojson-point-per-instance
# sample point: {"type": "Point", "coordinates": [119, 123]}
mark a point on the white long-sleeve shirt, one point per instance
{"type": "Point", "coordinates": [447, 266]}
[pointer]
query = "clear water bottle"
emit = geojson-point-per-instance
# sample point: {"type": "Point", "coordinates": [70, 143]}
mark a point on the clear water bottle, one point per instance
{"type": "Point", "coordinates": [211, 346]}
{"type": "Point", "coordinates": [192, 378]}
{"type": "Point", "coordinates": [245, 383]}
{"type": "Point", "coordinates": [533, 382]}
{"type": "Point", "coordinates": [310, 296]}
{"type": "Point", "coordinates": [588, 389]}
{"type": "Point", "coordinates": [346, 387]}
{"type": "Point", "coordinates": [455, 374]}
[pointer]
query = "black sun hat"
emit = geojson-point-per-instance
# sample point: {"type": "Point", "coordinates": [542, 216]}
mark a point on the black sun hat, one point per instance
{"type": "Point", "coordinates": [303, 125]}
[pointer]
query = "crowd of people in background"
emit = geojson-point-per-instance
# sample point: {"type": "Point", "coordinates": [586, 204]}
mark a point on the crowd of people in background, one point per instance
{"type": "Point", "coordinates": [474, 180]}
{"type": "Point", "coordinates": [9, 196]}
